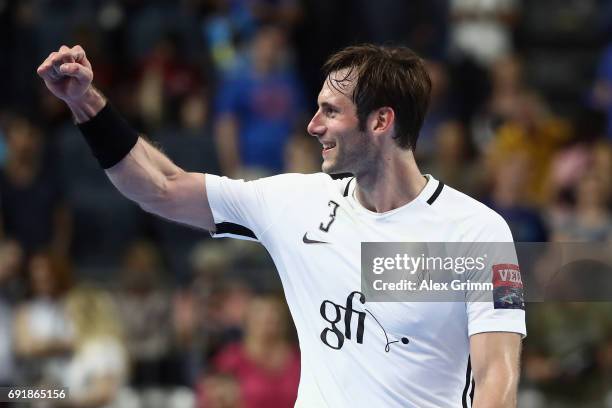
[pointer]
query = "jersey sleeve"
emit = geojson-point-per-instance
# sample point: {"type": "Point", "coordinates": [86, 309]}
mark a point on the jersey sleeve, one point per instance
{"type": "Point", "coordinates": [245, 209]}
{"type": "Point", "coordinates": [501, 309]}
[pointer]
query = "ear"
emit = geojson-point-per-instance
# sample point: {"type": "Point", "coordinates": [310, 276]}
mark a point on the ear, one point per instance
{"type": "Point", "coordinates": [382, 120]}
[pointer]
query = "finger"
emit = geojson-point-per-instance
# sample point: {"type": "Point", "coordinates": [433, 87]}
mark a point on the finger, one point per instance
{"type": "Point", "coordinates": [76, 70]}
{"type": "Point", "coordinates": [47, 61]}
{"type": "Point", "coordinates": [66, 54]}
{"type": "Point", "coordinates": [78, 53]}
{"type": "Point", "coordinates": [49, 69]}
{"type": "Point", "coordinates": [48, 73]}
{"type": "Point", "coordinates": [45, 70]}
{"type": "Point", "coordinates": [61, 57]}
{"type": "Point", "coordinates": [80, 56]}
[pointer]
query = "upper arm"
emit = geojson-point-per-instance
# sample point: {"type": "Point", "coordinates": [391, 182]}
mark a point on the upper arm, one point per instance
{"type": "Point", "coordinates": [224, 206]}
{"type": "Point", "coordinates": [186, 201]}
{"type": "Point", "coordinates": [149, 178]}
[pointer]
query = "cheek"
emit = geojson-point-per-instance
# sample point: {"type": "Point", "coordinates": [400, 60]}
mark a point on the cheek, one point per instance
{"type": "Point", "coordinates": [342, 129]}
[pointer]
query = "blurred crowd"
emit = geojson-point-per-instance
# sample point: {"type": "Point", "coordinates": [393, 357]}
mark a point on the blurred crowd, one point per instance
{"type": "Point", "coordinates": [132, 311]}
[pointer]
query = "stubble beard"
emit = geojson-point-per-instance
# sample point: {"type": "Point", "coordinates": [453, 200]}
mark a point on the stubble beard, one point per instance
{"type": "Point", "coordinates": [351, 157]}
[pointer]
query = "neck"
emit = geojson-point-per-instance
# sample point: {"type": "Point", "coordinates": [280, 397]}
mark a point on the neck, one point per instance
{"type": "Point", "coordinates": [392, 182]}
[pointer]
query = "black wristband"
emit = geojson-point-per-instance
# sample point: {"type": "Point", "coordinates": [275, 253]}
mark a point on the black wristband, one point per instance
{"type": "Point", "coordinates": [109, 136]}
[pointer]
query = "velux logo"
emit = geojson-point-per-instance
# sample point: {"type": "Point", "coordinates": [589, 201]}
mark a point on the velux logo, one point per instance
{"type": "Point", "coordinates": [507, 275]}
{"type": "Point", "coordinates": [507, 287]}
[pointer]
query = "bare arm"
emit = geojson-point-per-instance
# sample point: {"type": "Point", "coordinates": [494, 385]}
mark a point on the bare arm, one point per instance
{"type": "Point", "coordinates": [149, 178]}
{"type": "Point", "coordinates": [495, 363]}
{"type": "Point", "coordinates": [145, 175]}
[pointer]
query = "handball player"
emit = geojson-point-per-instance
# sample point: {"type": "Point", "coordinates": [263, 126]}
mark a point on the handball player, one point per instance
{"type": "Point", "coordinates": [370, 109]}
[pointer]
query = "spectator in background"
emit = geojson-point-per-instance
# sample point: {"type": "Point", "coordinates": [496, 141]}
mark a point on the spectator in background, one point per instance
{"type": "Point", "coordinates": [507, 89]}
{"type": "Point", "coordinates": [259, 108]}
{"type": "Point", "coordinates": [232, 23]}
{"type": "Point", "coordinates": [44, 334]}
{"type": "Point", "coordinates": [189, 141]}
{"type": "Point", "coordinates": [219, 391]}
{"type": "Point", "coordinates": [482, 29]}
{"type": "Point", "coordinates": [507, 198]}
{"type": "Point", "coordinates": [265, 363]}
{"type": "Point", "coordinates": [591, 220]}
{"type": "Point", "coordinates": [303, 155]}
{"type": "Point", "coordinates": [98, 368]}
{"type": "Point", "coordinates": [604, 364]}
{"type": "Point", "coordinates": [12, 282]}
{"type": "Point", "coordinates": [105, 223]}
{"type": "Point", "coordinates": [145, 314]}
{"type": "Point", "coordinates": [561, 356]}
{"type": "Point", "coordinates": [204, 324]}
{"type": "Point", "coordinates": [440, 110]}
{"type": "Point", "coordinates": [7, 368]}
{"type": "Point", "coordinates": [453, 160]}
{"type": "Point", "coordinates": [209, 312]}
{"type": "Point", "coordinates": [10, 261]}
{"type": "Point", "coordinates": [588, 152]}
{"type": "Point", "coordinates": [165, 79]}
{"type": "Point", "coordinates": [533, 130]}
{"type": "Point", "coordinates": [601, 96]}
{"type": "Point", "coordinates": [31, 200]}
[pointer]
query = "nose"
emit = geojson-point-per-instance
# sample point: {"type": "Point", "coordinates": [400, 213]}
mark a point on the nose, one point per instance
{"type": "Point", "coordinates": [316, 128]}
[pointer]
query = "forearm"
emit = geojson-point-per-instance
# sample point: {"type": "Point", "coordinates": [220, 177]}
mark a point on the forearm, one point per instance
{"type": "Point", "coordinates": [144, 174]}
{"type": "Point", "coordinates": [495, 392]}
{"type": "Point", "coordinates": [495, 362]}
{"type": "Point", "coordinates": [137, 169]}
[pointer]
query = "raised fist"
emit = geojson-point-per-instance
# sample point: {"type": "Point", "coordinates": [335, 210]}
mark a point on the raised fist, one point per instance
{"type": "Point", "coordinates": [67, 73]}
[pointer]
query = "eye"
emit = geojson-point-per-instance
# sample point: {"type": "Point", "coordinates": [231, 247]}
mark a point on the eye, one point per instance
{"type": "Point", "coordinates": [329, 111]}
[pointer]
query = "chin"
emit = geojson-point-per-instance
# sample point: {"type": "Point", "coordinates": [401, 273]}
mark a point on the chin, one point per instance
{"type": "Point", "coordinates": [332, 168]}
{"type": "Point", "coordinates": [328, 168]}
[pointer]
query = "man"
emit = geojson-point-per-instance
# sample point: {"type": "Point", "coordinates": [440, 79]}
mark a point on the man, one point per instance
{"type": "Point", "coordinates": [370, 109]}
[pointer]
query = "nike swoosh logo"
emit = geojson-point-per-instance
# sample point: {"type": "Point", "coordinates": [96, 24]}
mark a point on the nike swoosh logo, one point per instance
{"type": "Point", "coordinates": [306, 240]}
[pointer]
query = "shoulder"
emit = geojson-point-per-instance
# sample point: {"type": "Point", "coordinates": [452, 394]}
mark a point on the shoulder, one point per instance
{"type": "Point", "coordinates": [477, 221]}
{"type": "Point", "coordinates": [341, 183]}
{"type": "Point", "coordinates": [294, 183]}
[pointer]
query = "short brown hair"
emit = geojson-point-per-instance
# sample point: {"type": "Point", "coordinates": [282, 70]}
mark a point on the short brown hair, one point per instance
{"type": "Point", "coordinates": [386, 76]}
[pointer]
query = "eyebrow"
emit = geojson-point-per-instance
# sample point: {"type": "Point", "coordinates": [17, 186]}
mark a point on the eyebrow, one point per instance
{"type": "Point", "coordinates": [329, 105]}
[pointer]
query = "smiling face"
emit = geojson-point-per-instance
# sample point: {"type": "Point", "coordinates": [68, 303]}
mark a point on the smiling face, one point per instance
{"type": "Point", "coordinates": [346, 148]}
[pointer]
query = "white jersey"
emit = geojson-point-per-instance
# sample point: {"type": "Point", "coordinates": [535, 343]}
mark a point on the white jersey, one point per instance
{"type": "Point", "coordinates": [356, 353]}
